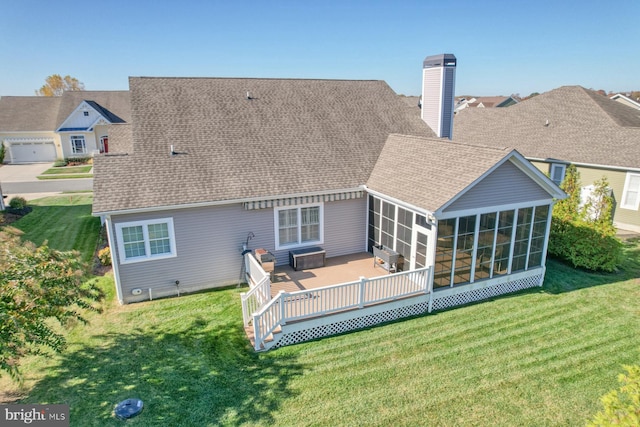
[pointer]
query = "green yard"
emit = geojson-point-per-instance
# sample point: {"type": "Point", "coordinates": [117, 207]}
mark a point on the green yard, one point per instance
{"type": "Point", "coordinates": [64, 221]}
{"type": "Point", "coordinates": [542, 357]}
{"type": "Point", "coordinates": [67, 172]}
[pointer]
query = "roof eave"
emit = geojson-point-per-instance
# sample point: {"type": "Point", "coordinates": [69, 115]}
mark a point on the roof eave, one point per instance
{"type": "Point", "coordinates": [220, 202]}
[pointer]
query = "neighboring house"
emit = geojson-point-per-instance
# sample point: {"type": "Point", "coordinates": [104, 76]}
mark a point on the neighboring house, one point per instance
{"type": "Point", "coordinates": [569, 125]}
{"type": "Point", "coordinates": [485, 102]}
{"type": "Point", "coordinates": [44, 129]}
{"type": "Point", "coordinates": [626, 101]}
{"type": "Point", "coordinates": [345, 165]}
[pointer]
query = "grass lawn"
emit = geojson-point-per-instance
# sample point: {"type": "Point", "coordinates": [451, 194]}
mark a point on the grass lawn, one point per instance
{"type": "Point", "coordinates": [67, 172]}
{"type": "Point", "coordinates": [541, 357]}
{"type": "Point", "coordinates": [64, 221]}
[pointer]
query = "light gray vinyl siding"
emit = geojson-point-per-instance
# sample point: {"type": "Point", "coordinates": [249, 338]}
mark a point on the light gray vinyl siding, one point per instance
{"type": "Point", "coordinates": [431, 108]}
{"type": "Point", "coordinates": [209, 245]}
{"type": "Point", "coordinates": [505, 185]}
{"type": "Point", "coordinates": [344, 229]}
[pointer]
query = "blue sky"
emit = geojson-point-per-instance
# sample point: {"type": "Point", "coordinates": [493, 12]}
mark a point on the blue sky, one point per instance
{"type": "Point", "coordinates": [503, 47]}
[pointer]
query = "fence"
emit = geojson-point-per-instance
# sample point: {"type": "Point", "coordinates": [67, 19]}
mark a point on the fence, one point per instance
{"type": "Point", "coordinates": [299, 305]}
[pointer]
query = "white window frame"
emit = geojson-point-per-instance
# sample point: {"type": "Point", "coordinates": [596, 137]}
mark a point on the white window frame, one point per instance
{"type": "Point", "coordinates": [72, 138]}
{"type": "Point", "coordinates": [555, 166]}
{"type": "Point", "coordinates": [627, 184]}
{"type": "Point", "coordinates": [145, 232]}
{"type": "Point", "coordinates": [276, 219]}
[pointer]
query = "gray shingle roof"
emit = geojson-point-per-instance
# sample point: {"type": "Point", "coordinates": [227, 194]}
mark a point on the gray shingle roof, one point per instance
{"type": "Point", "coordinates": [583, 127]}
{"type": "Point", "coordinates": [291, 137]}
{"type": "Point", "coordinates": [113, 104]}
{"type": "Point", "coordinates": [28, 113]}
{"type": "Point", "coordinates": [428, 172]}
{"type": "Point", "coordinates": [120, 139]}
{"type": "Point", "coordinates": [42, 113]}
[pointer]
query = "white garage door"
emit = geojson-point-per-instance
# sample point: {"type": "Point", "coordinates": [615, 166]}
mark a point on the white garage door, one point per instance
{"type": "Point", "coordinates": [26, 152]}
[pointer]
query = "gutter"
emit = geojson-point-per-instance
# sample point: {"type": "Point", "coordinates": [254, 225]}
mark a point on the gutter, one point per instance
{"type": "Point", "coordinates": [590, 165]}
{"type": "Point", "coordinates": [222, 202]}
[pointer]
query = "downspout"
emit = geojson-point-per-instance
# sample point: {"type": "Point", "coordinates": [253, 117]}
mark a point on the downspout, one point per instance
{"type": "Point", "coordinates": [114, 260]}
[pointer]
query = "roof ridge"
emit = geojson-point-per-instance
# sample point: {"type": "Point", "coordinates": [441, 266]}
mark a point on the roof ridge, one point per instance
{"type": "Point", "coordinates": [454, 141]}
{"type": "Point", "coordinates": [253, 78]}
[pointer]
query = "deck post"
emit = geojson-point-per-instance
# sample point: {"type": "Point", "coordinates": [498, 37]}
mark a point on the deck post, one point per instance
{"type": "Point", "coordinates": [244, 308]}
{"type": "Point", "coordinates": [257, 341]}
{"type": "Point", "coordinates": [361, 296]}
{"type": "Point", "coordinates": [281, 302]}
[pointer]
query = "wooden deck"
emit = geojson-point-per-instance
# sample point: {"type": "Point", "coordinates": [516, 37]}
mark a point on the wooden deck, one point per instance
{"type": "Point", "coordinates": [337, 270]}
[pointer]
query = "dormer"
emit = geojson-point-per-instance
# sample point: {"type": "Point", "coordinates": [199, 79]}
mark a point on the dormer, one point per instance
{"type": "Point", "coordinates": [85, 117]}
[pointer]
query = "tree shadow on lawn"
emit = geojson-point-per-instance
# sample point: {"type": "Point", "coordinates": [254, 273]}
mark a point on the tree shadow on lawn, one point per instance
{"type": "Point", "coordinates": [196, 376]}
{"type": "Point", "coordinates": [561, 277]}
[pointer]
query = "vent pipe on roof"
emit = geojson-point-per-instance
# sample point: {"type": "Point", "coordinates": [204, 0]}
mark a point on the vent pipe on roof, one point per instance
{"type": "Point", "coordinates": [438, 93]}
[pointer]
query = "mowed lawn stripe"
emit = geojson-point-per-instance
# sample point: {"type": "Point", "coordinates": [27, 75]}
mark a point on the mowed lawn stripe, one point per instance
{"type": "Point", "coordinates": [65, 222]}
{"type": "Point", "coordinates": [495, 360]}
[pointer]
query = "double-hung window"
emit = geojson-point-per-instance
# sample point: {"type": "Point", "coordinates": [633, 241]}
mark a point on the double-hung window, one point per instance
{"type": "Point", "coordinates": [557, 172]}
{"type": "Point", "coordinates": [145, 240]}
{"type": "Point", "coordinates": [298, 226]}
{"type": "Point", "coordinates": [631, 192]}
{"type": "Point", "coordinates": [78, 145]}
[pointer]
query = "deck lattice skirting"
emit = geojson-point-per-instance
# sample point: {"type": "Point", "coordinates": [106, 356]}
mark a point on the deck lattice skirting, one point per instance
{"type": "Point", "coordinates": [517, 282]}
{"type": "Point", "coordinates": [294, 334]}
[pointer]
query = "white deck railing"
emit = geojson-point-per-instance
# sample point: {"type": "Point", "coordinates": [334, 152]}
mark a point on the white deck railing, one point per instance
{"type": "Point", "coordinates": [259, 293]}
{"type": "Point", "coordinates": [290, 306]}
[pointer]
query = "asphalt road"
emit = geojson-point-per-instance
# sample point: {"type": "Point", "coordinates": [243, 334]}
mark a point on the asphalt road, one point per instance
{"type": "Point", "coordinates": [21, 180]}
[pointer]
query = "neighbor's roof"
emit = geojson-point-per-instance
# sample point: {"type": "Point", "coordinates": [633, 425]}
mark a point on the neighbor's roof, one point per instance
{"type": "Point", "coordinates": [44, 113]}
{"type": "Point", "coordinates": [583, 127]}
{"type": "Point", "coordinates": [288, 137]}
{"type": "Point", "coordinates": [112, 105]}
{"type": "Point", "coordinates": [439, 168]}
{"type": "Point", "coordinates": [28, 113]}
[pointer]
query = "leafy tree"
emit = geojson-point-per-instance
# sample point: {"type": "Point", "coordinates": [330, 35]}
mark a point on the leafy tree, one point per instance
{"type": "Point", "coordinates": [599, 207]}
{"type": "Point", "coordinates": [621, 407]}
{"type": "Point", "coordinates": [37, 285]}
{"type": "Point", "coordinates": [56, 85]}
{"type": "Point", "coordinates": [567, 209]}
{"type": "Point", "coordinates": [584, 235]}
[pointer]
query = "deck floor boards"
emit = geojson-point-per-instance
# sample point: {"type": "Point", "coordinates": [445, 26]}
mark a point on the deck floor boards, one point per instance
{"type": "Point", "coordinates": [337, 270]}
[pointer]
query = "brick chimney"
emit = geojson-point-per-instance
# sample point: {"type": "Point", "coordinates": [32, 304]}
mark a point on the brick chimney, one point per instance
{"type": "Point", "coordinates": [438, 93]}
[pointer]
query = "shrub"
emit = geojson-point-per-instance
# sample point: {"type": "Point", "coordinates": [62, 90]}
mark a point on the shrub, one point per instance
{"type": "Point", "coordinates": [18, 203]}
{"type": "Point", "coordinates": [583, 246]}
{"type": "Point", "coordinates": [104, 255]}
{"type": "Point", "coordinates": [2, 152]}
{"type": "Point", "coordinates": [583, 235]}
{"type": "Point", "coordinates": [60, 163]}
{"type": "Point", "coordinates": [79, 161]}
{"type": "Point", "coordinates": [621, 407]}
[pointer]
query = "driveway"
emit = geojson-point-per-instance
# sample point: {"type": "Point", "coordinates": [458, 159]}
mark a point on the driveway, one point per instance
{"type": "Point", "coordinates": [23, 172]}
{"type": "Point", "coordinates": [22, 180]}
